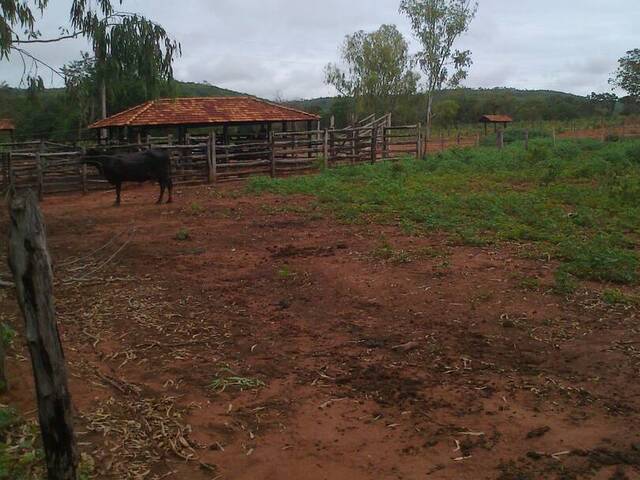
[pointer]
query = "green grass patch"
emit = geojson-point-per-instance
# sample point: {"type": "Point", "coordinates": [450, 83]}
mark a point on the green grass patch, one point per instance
{"type": "Point", "coordinates": [577, 200]}
{"type": "Point", "coordinates": [614, 296]}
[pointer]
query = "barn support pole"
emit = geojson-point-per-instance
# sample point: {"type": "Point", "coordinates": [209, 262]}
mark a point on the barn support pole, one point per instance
{"type": "Point", "coordinates": [225, 134]}
{"type": "Point", "coordinates": [326, 149]}
{"type": "Point", "coordinates": [309, 139]}
{"type": "Point", "coordinates": [272, 155]}
{"type": "Point", "coordinates": [31, 267]}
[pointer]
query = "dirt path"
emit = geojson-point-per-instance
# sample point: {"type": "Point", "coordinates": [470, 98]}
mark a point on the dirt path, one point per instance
{"type": "Point", "coordinates": [382, 355]}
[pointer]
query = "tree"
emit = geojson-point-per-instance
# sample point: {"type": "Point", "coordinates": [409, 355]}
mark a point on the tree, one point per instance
{"type": "Point", "coordinates": [627, 77]}
{"type": "Point", "coordinates": [604, 104]}
{"type": "Point", "coordinates": [378, 70]}
{"type": "Point", "coordinates": [445, 112]}
{"type": "Point", "coordinates": [123, 43]}
{"type": "Point", "coordinates": [437, 24]}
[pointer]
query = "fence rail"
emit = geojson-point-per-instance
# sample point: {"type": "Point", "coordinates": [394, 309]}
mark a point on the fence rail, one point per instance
{"type": "Point", "coordinates": [50, 167]}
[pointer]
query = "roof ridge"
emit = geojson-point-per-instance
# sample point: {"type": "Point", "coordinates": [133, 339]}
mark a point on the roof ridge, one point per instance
{"type": "Point", "coordinates": [143, 108]}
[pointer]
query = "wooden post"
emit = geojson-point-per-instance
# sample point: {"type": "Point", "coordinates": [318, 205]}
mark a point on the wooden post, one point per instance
{"type": "Point", "coordinates": [385, 142]}
{"type": "Point", "coordinates": [272, 154]}
{"type": "Point", "coordinates": [326, 149]}
{"type": "Point", "coordinates": [500, 139]}
{"type": "Point", "coordinates": [441, 140]}
{"type": "Point", "coordinates": [374, 144]}
{"type": "Point", "coordinates": [170, 139]}
{"type": "Point", "coordinates": [83, 177]}
{"type": "Point", "coordinates": [353, 147]}
{"type": "Point", "coordinates": [40, 176]}
{"type": "Point", "coordinates": [526, 139]}
{"type": "Point", "coordinates": [332, 149]}
{"type": "Point", "coordinates": [553, 135]}
{"type": "Point", "coordinates": [31, 267]}
{"type": "Point", "coordinates": [332, 122]}
{"type": "Point", "coordinates": [211, 148]}
{"type": "Point", "coordinates": [419, 141]}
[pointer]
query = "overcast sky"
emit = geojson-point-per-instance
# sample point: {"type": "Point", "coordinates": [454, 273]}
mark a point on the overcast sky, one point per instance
{"type": "Point", "coordinates": [278, 48]}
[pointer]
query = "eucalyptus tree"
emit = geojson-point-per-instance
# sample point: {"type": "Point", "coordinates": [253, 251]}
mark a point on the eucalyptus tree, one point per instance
{"type": "Point", "coordinates": [377, 70]}
{"type": "Point", "coordinates": [437, 24]}
{"type": "Point", "coordinates": [123, 43]}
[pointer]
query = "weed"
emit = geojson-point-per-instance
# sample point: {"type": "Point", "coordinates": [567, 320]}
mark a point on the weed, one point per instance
{"type": "Point", "coordinates": [286, 273]}
{"type": "Point", "coordinates": [617, 297]}
{"type": "Point", "coordinates": [565, 283]}
{"type": "Point", "coordinates": [183, 234]}
{"type": "Point", "coordinates": [231, 380]}
{"type": "Point", "coordinates": [7, 334]}
{"type": "Point", "coordinates": [195, 208]}
{"type": "Point", "coordinates": [529, 283]}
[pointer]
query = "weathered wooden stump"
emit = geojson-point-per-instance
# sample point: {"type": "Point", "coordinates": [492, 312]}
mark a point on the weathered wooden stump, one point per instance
{"type": "Point", "coordinates": [31, 266]}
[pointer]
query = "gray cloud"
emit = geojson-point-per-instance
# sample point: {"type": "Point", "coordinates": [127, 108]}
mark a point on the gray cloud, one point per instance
{"type": "Point", "coordinates": [279, 47]}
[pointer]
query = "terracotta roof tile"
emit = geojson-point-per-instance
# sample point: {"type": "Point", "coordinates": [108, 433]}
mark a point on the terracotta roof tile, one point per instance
{"type": "Point", "coordinates": [7, 124]}
{"type": "Point", "coordinates": [203, 111]}
{"type": "Point", "coordinates": [496, 118]}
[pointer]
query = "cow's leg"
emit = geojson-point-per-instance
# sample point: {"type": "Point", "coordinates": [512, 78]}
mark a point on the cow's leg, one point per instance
{"type": "Point", "coordinates": [118, 190]}
{"type": "Point", "coordinates": [170, 186]}
{"type": "Point", "coordinates": [162, 187]}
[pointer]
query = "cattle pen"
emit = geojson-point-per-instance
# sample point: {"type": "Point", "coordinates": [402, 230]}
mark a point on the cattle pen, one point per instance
{"type": "Point", "coordinates": [53, 168]}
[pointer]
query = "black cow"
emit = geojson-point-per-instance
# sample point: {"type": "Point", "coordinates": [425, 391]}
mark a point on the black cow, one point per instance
{"type": "Point", "coordinates": [133, 167]}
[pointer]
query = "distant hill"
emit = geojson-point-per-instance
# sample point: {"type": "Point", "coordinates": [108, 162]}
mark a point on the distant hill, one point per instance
{"type": "Point", "coordinates": [469, 105]}
{"type": "Point", "coordinates": [193, 89]}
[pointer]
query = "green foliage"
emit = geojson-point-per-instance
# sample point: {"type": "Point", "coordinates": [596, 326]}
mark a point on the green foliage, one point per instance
{"type": "Point", "coordinates": [577, 200]}
{"type": "Point", "coordinates": [437, 24]}
{"type": "Point", "coordinates": [614, 296]}
{"type": "Point", "coordinates": [183, 234]}
{"type": "Point", "coordinates": [627, 77]}
{"type": "Point", "coordinates": [286, 273]}
{"type": "Point", "coordinates": [7, 334]}
{"type": "Point", "coordinates": [378, 70]}
{"type": "Point", "coordinates": [21, 457]}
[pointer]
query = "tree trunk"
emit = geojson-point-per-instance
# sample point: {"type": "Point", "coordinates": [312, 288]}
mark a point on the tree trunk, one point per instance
{"type": "Point", "coordinates": [103, 107]}
{"type": "Point", "coordinates": [429, 113]}
{"type": "Point", "coordinates": [31, 266]}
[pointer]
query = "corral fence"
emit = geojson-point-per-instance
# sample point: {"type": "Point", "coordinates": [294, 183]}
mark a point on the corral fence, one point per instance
{"type": "Point", "coordinates": [52, 168]}
{"type": "Point", "coordinates": [57, 168]}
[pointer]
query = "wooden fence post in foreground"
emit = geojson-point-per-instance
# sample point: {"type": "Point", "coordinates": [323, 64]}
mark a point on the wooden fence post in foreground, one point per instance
{"type": "Point", "coordinates": [31, 266]}
{"type": "Point", "coordinates": [526, 139]}
{"type": "Point", "coordinates": [500, 139]}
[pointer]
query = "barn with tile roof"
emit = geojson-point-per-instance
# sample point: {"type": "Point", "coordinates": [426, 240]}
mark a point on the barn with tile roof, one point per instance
{"type": "Point", "coordinates": [182, 114]}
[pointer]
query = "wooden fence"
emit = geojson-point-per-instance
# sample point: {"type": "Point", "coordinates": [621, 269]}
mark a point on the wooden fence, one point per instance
{"type": "Point", "coordinates": [55, 168]}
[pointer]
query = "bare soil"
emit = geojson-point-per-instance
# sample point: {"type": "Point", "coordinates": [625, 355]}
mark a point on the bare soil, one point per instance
{"type": "Point", "coordinates": [438, 360]}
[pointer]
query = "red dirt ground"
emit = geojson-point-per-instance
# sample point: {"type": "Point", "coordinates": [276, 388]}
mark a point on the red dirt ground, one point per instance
{"type": "Point", "coordinates": [434, 361]}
